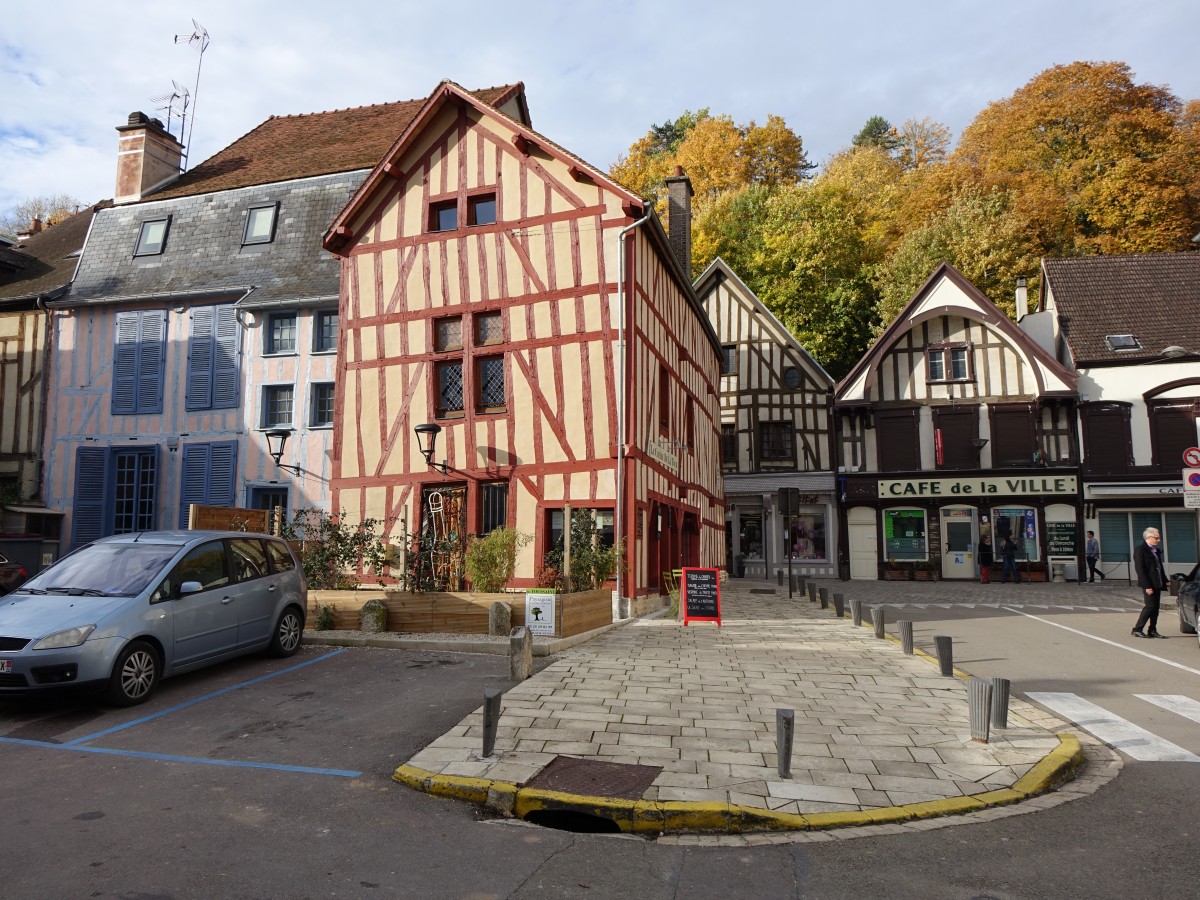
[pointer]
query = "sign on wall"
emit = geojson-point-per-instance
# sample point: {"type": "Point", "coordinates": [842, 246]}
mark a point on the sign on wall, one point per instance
{"type": "Point", "coordinates": [1062, 539]}
{"type": "Point", "coordinates": [978, 487]}
{"type": "Point", "coordinates": [539, 613]}
{"type": "Point", "coordinates": [904, 534]}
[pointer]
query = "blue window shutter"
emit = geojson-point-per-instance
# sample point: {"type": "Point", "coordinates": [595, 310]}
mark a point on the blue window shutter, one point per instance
{"type": "Point", "coordinates": [201, 349]}
{"type": "Point", "coordinates": [221, 471]}
{"type": "Point", "coordinates": [91, 486]}
{"type": "Point", "coordinates": [151, 356]}
{"type": "Point", "coordinates": [207, 476]}
{"type": "Point", "coordinates": [125, 364]}
{"type": "Point", "coordinates": [226, 369]}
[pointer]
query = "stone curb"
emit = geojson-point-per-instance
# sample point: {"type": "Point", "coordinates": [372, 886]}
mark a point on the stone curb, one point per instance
{"type": "Point", "coordinates": [680, 817]}
{"type": "Point", "coordinates": [413, 641]}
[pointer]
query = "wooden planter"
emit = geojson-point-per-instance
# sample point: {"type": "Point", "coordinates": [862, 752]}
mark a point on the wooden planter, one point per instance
{"type": "Point", "coordinates": [897, 575]}
{"type": "Point", "coordinates": [925, 575]}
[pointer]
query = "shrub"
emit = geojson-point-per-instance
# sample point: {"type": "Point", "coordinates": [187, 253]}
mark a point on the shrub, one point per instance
{"type": "Point", "coordinates": [591, 564]}
{"type": "Point", "coordinates": [331, 549]}
{"type": "Point", "coordinates": [492, 558]}
{"type": "Point", "coordinates": [324, 620]}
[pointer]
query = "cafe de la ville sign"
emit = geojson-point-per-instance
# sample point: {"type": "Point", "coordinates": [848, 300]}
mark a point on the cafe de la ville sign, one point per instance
{"type": "Point", "coordinates": [973, 487]}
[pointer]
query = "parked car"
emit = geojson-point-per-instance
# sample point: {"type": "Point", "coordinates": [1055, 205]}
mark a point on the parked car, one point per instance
{"type": "Point", "coordinates": [11, 574]}
{"type": "Point", "coordinates": [126, 611]}
{"type": "Point", "coordinates": [1189, 599]}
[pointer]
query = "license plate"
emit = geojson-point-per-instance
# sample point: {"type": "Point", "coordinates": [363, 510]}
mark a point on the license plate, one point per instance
{"type": "Point", "coordinates": [5, 666]}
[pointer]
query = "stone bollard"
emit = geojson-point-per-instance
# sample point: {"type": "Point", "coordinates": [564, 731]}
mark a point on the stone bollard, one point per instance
{"type": "Point", "coordinates": [906, 636]}
{"type": "Point", "coordinates": [785, 729]}
{"type": "Point", "coordinates": [1001, 687]}
{"type": "Point", "coordinates": [780, 577]}
{"type": "Point", "coordinates": [491, 718]}
{"type": "Point", "coordinates": [372, 618]}
{"type": "Point", "coordinates": [877, 619]}
{"type": "Point", "coordinates": [856, 610]}
{"type": "Point", "coordinates": [812, 592]}
{"type": "Point", "coordinates": [520, 654]}
{"type": "Point", "coordinates": [499, 619]}
{"type": "Point", "coordinates": [839, 605]}
{"type": "Point", "coordinates": [979, 699]}
{"type": "Point", "coordinates": [797, 585]}
{"type": "Point", "coordinates": [823, 593]}
{"type": "Point", "coordinates": [945, 653]}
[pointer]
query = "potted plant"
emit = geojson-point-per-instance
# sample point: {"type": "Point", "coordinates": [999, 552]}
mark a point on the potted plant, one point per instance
{"type": "Point", "coordinates": [897, 571]}
{"type": "Point", "coordinates": [923, 570]}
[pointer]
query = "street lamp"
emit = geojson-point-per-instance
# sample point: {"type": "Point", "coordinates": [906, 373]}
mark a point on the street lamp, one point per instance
{"type": "Point", "coordinates": [427, 441]}
{"type": "Point", "coordinates": [276, 441]}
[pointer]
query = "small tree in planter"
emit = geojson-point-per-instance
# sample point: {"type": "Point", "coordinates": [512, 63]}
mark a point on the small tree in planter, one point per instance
{"type": "Point", "coordinates": [591, 565]}
{"type": "Point", "coordinates": [330, 549]}
{"type": "Point", "coordinates": [492, 558]}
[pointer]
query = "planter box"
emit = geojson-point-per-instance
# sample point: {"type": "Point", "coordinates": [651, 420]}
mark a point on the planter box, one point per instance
{"type": "Point", "coordinates": [897, 575]}
{"type": "Point", "coordinates": [925, 575]}
{"type": "Point", "coordinates": [459, 613]}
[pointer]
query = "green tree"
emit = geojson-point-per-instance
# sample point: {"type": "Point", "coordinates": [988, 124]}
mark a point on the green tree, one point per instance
{"type": "Point", "coordinates": [877, 132]}
{"type": "Point", "coordinates": [332, 551]}
{"type": "Point", "coordinates": [492, 558]}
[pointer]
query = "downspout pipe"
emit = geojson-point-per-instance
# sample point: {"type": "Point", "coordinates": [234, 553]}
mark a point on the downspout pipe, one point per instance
{"type": "Point", "coordinates": [618, 520]}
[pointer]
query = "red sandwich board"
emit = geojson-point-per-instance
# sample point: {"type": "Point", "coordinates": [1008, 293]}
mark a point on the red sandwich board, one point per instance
{"type": "Point", "coordinates": [701, 596]}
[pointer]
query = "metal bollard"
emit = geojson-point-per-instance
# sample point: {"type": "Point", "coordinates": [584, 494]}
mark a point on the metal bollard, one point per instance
{"type": "Point", "coordinates": [856, 611]}
{"type": "Point", "coordinates": [1001, 688]}
{"type": "Point", "coordinates": [906, 636]}
{"type": "Point", "coordinates": [491, 718]}
{"type": "Point", "coordinates": [979, 698]}
{"type": "Point", "coordinates": [839, 605]}
{"type": "Point", "coordinates": [823, 593]}
{"type": "Point", "coordinates": [797, 584]}
{"type": "Point", "coordinates": [785, 730]}
{"type": "Point", "coordinates": [945, 653]}
{"type": "Point", "coordinates": [780, 577]}
{"type": "Point", "coordinates": [812, 592]}
{"type": "Point", "coordinates": [877, 619]}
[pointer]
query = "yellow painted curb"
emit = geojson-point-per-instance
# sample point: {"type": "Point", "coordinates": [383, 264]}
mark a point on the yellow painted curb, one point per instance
{"type": "Point", "coordinates": [1054, 768]}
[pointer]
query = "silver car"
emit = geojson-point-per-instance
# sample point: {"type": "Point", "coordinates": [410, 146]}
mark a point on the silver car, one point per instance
{"type": "Point", "coordinates": [126, 611]}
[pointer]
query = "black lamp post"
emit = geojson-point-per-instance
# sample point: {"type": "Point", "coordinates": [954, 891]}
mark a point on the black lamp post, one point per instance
{"type": "Point", "coordinates": [276, 441]}
{"type": "Point", "coordinates": [427, 441]}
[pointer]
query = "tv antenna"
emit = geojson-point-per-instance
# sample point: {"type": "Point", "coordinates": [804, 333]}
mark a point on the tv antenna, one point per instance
{"type": "Point", "coordinates": [167, 102]}
{"type": "Point", "coordinates": [198, 40]}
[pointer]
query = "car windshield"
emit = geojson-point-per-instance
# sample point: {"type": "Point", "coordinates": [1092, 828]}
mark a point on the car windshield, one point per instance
{"type": "Point", "coordinates": [104, 570]}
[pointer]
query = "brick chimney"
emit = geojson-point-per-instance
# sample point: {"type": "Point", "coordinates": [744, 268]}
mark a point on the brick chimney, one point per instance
{"type": "Point", "coordinates": [35, 227]}
{"type": "Point", "coordinates": [148, 157]}
{"type": "Point", "coordinates": [679, 218]}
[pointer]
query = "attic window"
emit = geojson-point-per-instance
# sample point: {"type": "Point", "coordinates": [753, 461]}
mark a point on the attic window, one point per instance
{"type": "Point", "coordinates": [443, 216]}
{"type": "Point", "coordinates": [481, 210]}
{"type": "Point", "coordinates": [1120, 342]}
{"type": "Point", "coordinates": [260, 224]}
{"type": "Point", "coordinates": [153, 237]}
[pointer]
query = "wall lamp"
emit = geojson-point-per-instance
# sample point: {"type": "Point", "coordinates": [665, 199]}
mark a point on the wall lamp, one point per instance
{"type": "Point", "coordinates": [276, 441]}
{"type": "Point", "coordinates": [427, 441]}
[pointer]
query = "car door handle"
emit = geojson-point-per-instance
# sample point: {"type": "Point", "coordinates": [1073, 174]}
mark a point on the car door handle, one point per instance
{"type": "Point", "coordinates": [270, 587]}
{"type": "Point", "coordinates": [225, 601]}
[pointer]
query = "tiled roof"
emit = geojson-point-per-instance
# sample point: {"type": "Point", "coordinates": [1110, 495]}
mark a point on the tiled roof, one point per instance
{"type": "Point", "coordinates": [1153, 296]}
{"type": "Point", "coordinates": [301, 146]}
{"type": "Point", "coordinates": [44, 261]}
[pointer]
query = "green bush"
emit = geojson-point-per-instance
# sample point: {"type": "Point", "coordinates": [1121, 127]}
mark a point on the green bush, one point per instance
{"type": "Point", "coordinates": [591, 564]}
{"type": "Point", "coordinates": [492, 558]}
{"type": "Point", "coordinates": [324, 620]}
{"type": "Point", "coordinates": [331, 550]}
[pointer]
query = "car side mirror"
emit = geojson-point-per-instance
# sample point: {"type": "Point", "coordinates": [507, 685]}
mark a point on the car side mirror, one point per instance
{"type": "Point", "coordinates": [190, 587]}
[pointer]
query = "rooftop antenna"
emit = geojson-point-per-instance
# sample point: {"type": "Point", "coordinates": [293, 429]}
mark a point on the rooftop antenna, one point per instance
{"type": "Point", "coordinates": [199, 40]}
{"type": "Point", "coordinates": [179, 92]}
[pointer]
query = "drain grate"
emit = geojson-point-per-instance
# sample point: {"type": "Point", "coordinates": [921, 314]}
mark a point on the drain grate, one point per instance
{"type": "Point", "coordinates": [593, 778]}
{"type": "Point", "coordinates": [762, 590]}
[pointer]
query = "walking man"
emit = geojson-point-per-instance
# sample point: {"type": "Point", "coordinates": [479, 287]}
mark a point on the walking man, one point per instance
{"type": "Point", "coordinates": [1092, 552]}
{"type": "Point", "coordinates": [1152, 578]}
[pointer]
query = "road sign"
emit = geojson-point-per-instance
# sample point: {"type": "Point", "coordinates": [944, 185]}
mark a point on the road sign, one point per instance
{"type": "Point", "coordinates": [1191, 457]}
{"type": "Point", "coordinates": [1191, 488]}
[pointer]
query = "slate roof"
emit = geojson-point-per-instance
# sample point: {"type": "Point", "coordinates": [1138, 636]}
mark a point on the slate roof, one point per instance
{"type": "Point", "coordinates": [1153, 296]}
{"type": "Point", "coordinates": [302, 146]}
{"type": "Point", "coordinates": [43, 264]}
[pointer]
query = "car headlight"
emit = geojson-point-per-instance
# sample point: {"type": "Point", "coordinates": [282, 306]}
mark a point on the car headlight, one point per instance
{"type": "Point", "coordinates": [68, 637]}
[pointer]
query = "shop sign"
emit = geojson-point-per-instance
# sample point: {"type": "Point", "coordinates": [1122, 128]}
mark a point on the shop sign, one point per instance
{"type": "Point", "coordinates": [972, 487]}
{"type": "Point", "coordinates": [1061, 539]}
{"type": "Point", "coordinates": [663, 457]}
{"type": "Point", "coordinates": [539, 613]}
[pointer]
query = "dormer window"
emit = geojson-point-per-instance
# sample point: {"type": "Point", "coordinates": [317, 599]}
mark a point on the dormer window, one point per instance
{"type": "Point", "coordinates": [153, 237]}
{"type": "Point", "coordinates": [443, 216]}
{"type": "Point", "coordinates": [1119, 342]}
{"type": "Point", "coordinates": [260, 224]}
{"type": "Point", "coordinates": [949, 362]}
{"type": "Point", "coordinates": [481, 210]}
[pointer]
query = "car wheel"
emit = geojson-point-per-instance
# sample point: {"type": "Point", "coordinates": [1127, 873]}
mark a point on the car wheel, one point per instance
{"type": "Point", "coordinates": [286, 639]}
{"type": "Point", "coordinates": [134, 676]}
{"type": "Point", "coordinates": [1184, 627]}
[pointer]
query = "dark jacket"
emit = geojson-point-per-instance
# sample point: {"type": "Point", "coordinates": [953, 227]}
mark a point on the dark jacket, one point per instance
{"type": "Point", "coordinates": [1149, 567]}
{"type": "Point", "coordinates": [985, 553]}
{"type": "Point", "coordinates": [1008, 549]}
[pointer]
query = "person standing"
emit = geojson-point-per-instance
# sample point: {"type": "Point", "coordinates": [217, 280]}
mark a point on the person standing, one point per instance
{"type": "Point", "coordinates": [985, 559]}
{"type": "Point", "coordinates": [1008, 559]}
{"type": "Point", "coordinates": [1152, 578]}
{"type": "Point", "coordinates": [1092, 552]}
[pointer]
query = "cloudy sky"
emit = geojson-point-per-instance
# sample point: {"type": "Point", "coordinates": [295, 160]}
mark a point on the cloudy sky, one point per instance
{"type": "Point", "coordinates": [597, 74]}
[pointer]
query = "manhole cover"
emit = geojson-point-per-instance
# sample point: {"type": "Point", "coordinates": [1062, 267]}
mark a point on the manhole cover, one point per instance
{"type": "Point", "coordinates": [594, 778]}
{"type": "Point", "coordinates": [762, 590]}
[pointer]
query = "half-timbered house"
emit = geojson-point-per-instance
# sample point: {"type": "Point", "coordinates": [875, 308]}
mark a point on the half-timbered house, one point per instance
{"type": "Point", "coordinates": [498, 287]}
{"type": "Point", "coordinates": [776, 434]}
{"type": "Point", "coordinates": [954, 426]}
{"type": "Point", "coordinates": [1125, 326]}
{"type": "Point", "coordinates": [203, 320]}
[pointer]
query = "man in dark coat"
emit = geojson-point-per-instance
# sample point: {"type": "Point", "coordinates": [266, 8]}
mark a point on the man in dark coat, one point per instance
{"type": "Point", "coordinates": [1151, 578]}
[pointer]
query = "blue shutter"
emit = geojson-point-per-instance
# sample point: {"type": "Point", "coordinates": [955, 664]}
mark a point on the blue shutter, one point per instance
{"type": "Point", "coordinates": [151, 356]}
{"type": "Point", "coordinates": [201, 348]}
{"type": "Point", "coordinates": [228, 338]}
{"type": "Point", "coordinates": [91, 486]}
{"type": "Point", "coordinates": [125, 362]}
{"type": "Point", "coordinates": [207, 476]}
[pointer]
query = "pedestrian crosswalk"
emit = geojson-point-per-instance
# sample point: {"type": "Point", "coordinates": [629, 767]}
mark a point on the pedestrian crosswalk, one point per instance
{"type": "Point", "coordinates": [891, 604]}
{"type": "Point", "coordinates": [1119, 733]}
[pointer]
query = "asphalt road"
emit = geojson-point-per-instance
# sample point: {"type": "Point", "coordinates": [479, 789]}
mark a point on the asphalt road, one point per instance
{"type": "Point", "coordinates": [232, 784]}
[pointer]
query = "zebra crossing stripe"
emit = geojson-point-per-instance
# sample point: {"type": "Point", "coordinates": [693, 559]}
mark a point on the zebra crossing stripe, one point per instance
{"type": "Point", "coordinates": [1118, 733]}
{"type": "Point", "coordinates": [1176, 703]}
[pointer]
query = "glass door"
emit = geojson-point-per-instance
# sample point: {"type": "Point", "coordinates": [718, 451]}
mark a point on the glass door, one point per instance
{"type": "Point", "coordinates": [958, 548]}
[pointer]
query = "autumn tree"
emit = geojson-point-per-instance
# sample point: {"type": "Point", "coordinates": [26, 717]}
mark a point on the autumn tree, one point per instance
{"type": "Point", "coordinates": [921, 142]}
{"type": "Point", "coordinates": [49, 208]}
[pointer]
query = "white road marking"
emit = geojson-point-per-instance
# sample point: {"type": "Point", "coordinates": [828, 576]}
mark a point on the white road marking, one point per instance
{"type": "Point", "coordinates": [1176, 703]}
{"type": "Point", "coordinates": [1118, 733]}
{"type": "Point", "coordinates": [1093, 637]}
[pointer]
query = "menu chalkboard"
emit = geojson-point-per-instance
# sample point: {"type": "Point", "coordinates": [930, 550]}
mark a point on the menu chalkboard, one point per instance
{"type": "Point", "coordinates": [701, 596]}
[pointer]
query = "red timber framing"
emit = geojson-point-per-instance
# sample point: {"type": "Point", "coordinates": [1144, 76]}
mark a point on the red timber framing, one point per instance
{"type": "Point", "coordinates": [479, 292]}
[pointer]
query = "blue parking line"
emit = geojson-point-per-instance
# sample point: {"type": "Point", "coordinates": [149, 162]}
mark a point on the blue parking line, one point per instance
{"type": "Point", "coordinates": [91, 737]}
{"type": "Point", "coordinates": [165, 757]}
